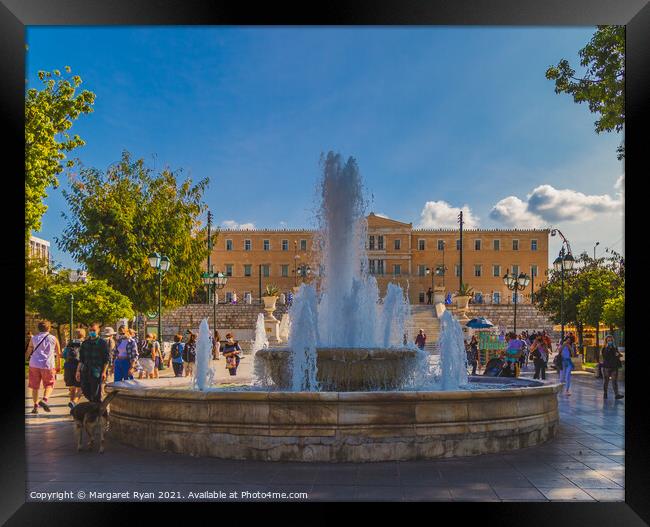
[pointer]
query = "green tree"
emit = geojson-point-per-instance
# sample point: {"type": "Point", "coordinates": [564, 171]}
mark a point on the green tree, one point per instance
{"type": "Point", "coordinates": [116, 219]}
{"type": "Point", "coordinates": [614, 311]}
{"type": "Point", "coordinates": [600, 285]}
{"type": "Point", "coordinates": [93, 301]}
{"type": "Point", "coordinates": [602, 86]}
{"type": "Point", "coordinates": [49, 114]}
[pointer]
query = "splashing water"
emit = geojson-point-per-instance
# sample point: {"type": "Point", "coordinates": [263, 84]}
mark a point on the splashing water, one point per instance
{"type": "Point", "coordinates": [261, 342]}
{"type": "Point", "coordinates": [203, 375]}
{"type": "Point", "coordinates": [303, 339]}
{"type": "Point", "coordinates": [453, 365]}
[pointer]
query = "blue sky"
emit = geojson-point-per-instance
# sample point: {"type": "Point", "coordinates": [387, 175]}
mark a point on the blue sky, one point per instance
{"type": "Point", "coordinates": [438, 118]}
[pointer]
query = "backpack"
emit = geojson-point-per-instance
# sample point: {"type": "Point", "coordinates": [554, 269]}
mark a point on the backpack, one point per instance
{"type": "Point", "coordinates": [146, 348]}
{"type": "Point", "coordinates": [176, 352]}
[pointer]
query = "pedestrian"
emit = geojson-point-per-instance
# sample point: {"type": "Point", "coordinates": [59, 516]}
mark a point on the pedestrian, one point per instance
{"type": "Point", "coordinates": [472, 354]}
{"type": "Point", "coordinates": [539, 354]}
{"type": "Point", "coordinates": [147, 357]}
{"type": "Point", "coordinates": [125, 355]}
{"type": "Point", "coordinates": [231, 351]}
{"type": "Point", "coordinates": [176, 355]}
{"type": "Point", "coordinates": [429, 295]}
{"type": "Point", "coordinates": [71, 357]}
{"type": "Point", "coordinates": [216, 345]}
{"type": "Point", "coordinates": [108, 334]}
{"type": "Point", "coordinates": [513, 353]}
{"type": "Point", "coordinates": [189, 354]}
{"type": "Point", "coordinates": [524, 351]}
{"type": "Point", "coordinates": [43, 352]}
{"type": "Point", "coordinates": [234, 298]}
{"type": "Point", "coordinates": [93, 364]}
{"type": "Point", "coordinates": [421, 339]}
{"type": "Point", "coordinates": [611, 364]}
{"type": "Point", "coordinates": [566, 353]}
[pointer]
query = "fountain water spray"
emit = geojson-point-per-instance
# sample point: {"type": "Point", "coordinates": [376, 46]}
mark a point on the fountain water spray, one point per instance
{"type": "Point", "coordinates": [261, 342]}
{"type": "Point", "coordinates": [303, 339]}
{"type": "Point", "coordinates": [453, 359]}
{"type": "Point", "coordinates": [203, 375]}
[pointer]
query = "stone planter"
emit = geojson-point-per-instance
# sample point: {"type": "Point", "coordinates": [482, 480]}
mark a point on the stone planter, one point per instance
{"type": "Point", "coordinates": [438, 295]}
{"type": "Point", "coordinates": [269, 304]}
{"type": "Point", "coordinates": [462, 302]}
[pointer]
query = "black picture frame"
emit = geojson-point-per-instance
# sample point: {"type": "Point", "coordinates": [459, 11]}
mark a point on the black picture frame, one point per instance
{"type": "Point", "coordinates": [15, 15]}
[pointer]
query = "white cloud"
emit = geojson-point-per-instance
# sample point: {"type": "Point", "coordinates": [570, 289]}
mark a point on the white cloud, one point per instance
{"type": "Point", "coordinates": [232, 224]}
{"type": "Point", "coordinates": [440, 214]}
{"type": "Point", "coordinates": [514, 212]}
{"type": "Point", "coordinates": [547, 205]}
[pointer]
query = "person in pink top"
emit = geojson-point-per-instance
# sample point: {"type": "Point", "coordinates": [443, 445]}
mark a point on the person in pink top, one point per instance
{"type": "Point", "coordinates": [43, 352]}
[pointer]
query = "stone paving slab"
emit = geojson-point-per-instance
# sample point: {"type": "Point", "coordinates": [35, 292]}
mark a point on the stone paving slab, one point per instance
{"type": "Point", "coordinates": [584, 463]}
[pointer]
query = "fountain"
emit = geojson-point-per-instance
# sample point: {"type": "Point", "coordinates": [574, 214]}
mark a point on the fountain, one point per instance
{"type": "Point", "coordinates": [345, 387]}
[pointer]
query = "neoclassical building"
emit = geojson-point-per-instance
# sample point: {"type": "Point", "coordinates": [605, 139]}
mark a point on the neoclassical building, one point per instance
{"type": "Point", "coordinates": [397, 252]}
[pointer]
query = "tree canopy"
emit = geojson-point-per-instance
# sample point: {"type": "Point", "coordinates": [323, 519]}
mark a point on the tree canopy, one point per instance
{"type": "Point", "coordinates": [49, 114]}
{"type": "Point", "coordinates": [117, 218]}
{"type": "Point", "coordinates": [602, 86]}
{"type": "Point", "coordinates": [93, 301]}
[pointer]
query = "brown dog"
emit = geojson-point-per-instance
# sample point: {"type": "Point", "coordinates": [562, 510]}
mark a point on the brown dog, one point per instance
{"type": "Point", "coordinates": [90, 416]}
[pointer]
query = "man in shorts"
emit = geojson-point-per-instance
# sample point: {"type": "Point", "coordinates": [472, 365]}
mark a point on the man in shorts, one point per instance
{"type": "Point", "coordinates": [43, 352]}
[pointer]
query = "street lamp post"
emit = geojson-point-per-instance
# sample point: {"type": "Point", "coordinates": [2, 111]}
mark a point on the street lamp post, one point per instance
{"type": "Point", "coordinates": [304, 271]}
{"type": "Point", "coordinates": [161, 264]}
{"type": "Point", "coordinates": [597, 244]}
{"type": "Point", "coordinates": [516, 283]}
{"type": "Point", "coordinates": [215, 281]}
{"type": "Point", "coordinates": [564, 262]}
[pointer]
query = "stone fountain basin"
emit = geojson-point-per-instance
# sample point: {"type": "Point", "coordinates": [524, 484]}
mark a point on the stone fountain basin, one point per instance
{"type": "Point", "coordinates": [345, 369]}
{"type": "Point", "coordinates": [166, 415]}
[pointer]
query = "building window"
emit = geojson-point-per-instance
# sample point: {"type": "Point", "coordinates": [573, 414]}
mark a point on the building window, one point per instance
{"type": "Point", "coordinates": [371, 243]}
{"type": "Point", "coordinates": [380, 243]}
{"type": "Point", "coordinates": [458, 244]}
{"type": "Point", "coordinates": [533, 245]}
{"type": "Point", "coordinates": [496, 297]}
{"type": "Point", "coordinates": [515, 245]}
{"type": "Point", "coordinates": [247, 270]}
{"type": "Point", "coordinates": [457, 269]}
{"type": "Point", "coordinates": [371, 266]}
{"type": "Point", "coordinates": [228, 245]}
{"type": "Point", "coordinates": [228, 269]}
{"type": "Point", "coordinates": [441, 245]}
{"type": "Point", "coordinates": [421, 245]}
{"type": "Point", "coordinates": [515, 270]}
{"type": "Point", "coordinates": [477, 270]}
{"type": "Point", "coordinates": [421, 297]}
{"type": "Point", "coordinates": [284, 270]}
{"type": "Point", "coordinates": [496, 245]}
{"type": "Point", "coordinates": [496, 270]}
{"type": "Point", "coordinates": [248, 245]}
{"type": "Point", "coordinates": [533, 270]}
{"type": "Point", "coordinates": [285, 245]}
{"type": "Point", "coordinates": [477, 245]}
{"type": "Point", "coordinates": [266, 270]}
{"type": "Point", "coordinates": [228, 297]}
{"type": "Point", "coordinates": [303, 245]}
{"type": "Point", "coordinates": [398, 245]}
{"type": "Point", "coordinates": [397, 270]}
{"type": "Point", "coordinates": [421, 270]}
{"type": "Point", "coordinates": [380, 267]}
{"type": "Point", "coordinates": [267, 245]}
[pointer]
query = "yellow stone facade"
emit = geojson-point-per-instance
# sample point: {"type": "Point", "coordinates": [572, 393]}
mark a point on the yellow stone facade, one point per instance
{"type": "Point", "coordinates": [397, 253]}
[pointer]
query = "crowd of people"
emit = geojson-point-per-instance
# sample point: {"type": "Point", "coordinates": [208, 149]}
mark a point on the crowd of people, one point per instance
{"type": "Point", "coordinates": [92, 357]}
{"type": "Point", "coordinates": [537, 347]}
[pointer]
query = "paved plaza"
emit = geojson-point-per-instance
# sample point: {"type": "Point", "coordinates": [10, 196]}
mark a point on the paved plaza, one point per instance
{"type": "Point", "coordinates": [584, 463]}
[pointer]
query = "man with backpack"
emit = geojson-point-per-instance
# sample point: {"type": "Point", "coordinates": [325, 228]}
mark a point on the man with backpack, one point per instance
{"type": "Point", "coordinates": [176, 357]}
{"type": "Point", "coordinates": [43, 352]}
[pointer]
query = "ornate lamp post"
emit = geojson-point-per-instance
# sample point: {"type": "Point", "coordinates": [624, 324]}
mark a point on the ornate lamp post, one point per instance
{"type": "Point", "coordinates": [215, 281]}
{"type": "Point", "coordinates": [564, 262]}
{"type": "Point", "coordinates": [161, 264]}
{"type": "Point", "coordinates": [516, 283]}
{"type": "Point", "coordinates": [304, 271]}
{"type": "Point", "coordinates": [75, 276]}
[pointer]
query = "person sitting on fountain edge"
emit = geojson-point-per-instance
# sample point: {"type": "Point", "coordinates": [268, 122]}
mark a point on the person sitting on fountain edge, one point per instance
{"type": "Point", "coordinates": [232, 351]}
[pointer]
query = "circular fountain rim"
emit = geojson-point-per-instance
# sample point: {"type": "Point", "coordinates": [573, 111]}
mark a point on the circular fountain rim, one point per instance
{"type": "Point", "coordinates": [179, 390]}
